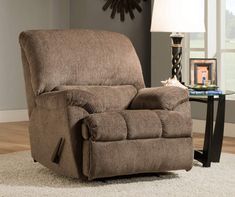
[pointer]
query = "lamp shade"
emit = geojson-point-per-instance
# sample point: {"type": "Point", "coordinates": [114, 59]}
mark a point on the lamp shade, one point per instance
{"type": "Point", "coordinates": [178, 16]}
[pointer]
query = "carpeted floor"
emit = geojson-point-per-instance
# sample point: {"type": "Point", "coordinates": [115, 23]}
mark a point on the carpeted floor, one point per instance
{"type": "Point", "coordinates": [20, 176]}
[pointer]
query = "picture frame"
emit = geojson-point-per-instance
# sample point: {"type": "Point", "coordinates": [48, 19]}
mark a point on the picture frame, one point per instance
{"type": "Point", "coordinates": [203, 71]}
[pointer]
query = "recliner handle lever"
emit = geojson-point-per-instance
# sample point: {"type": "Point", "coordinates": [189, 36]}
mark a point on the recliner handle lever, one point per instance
{"type": "Point", "coordinates": [56, 156]}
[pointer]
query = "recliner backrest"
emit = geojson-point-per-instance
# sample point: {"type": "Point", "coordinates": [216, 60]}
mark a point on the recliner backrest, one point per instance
{"type": "Point", "coordinates": [79, 57]}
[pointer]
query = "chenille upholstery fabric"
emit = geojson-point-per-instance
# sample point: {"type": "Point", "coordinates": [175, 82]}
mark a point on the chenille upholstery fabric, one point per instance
{"type": "Point", "coordinates": [86, 87]}
{"type": "Point", "coordinates": [108, 126]}
{"type": "Point", "coordinates": [47, 126]}
{"type": "Point", "coordinates": [80, 57]}
{"type": "Point", "coordinates": [124, 157]}
{"type": "Point", "coordinates": [100, 98]}
{"type": "Point", "coordinates": [175, 124]}
{"type": "Point", "coordinates": [127, 124]}
{"type": "Point", "coordinates": [136, 137]}
{"type": "Point", "coordinates": [160, 98]}
{"type": "Point", "coordinates": [28, 85]}
{"type": "Point", "coordinates": [136, 124]}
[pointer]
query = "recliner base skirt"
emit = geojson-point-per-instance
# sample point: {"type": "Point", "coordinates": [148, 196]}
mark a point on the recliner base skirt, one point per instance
{"type": "Point", "coordinates": [117, 158]}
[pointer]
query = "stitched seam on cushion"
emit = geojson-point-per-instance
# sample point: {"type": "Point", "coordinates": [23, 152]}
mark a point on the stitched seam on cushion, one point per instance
{"type": "Point", "coordinates": [92, 126]}
{"type": "Point", "coordinates": [127, 128]}
{"type": "Point", "coordinates": [175, 135]}
{"type": "Point", "coordinates": [160, 122]}
{"type": "Point", "coordinates": [89, 108]}
{"type": "Point", "coordinates": [82, 102]}
{"type": "Point", "coordinates": [180, 102]}
{"type": "Point", "coordinates": [163, 125]}
{"type": "Point", "coordinates": [41, 97]}
{"type": "Point", "coordinates": [90, 159]}
{"type": "Point", "coordinates": [70, 138]}
{"type": "Point", "coordinates": [31, 86]}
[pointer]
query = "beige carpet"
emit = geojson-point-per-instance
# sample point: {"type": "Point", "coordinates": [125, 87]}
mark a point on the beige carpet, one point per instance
{"type": "Point", "coordinates": [19, 176]}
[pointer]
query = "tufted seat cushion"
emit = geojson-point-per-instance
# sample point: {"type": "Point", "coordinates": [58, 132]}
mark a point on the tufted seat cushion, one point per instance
{"type": "Point", "coordinates": [175, 124]}
{"type": "Point", "coordinates": [136, 124]}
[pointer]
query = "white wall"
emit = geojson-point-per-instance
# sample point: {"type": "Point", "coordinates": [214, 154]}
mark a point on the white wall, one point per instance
{"type": "Point", "coordinates": [16, 16]}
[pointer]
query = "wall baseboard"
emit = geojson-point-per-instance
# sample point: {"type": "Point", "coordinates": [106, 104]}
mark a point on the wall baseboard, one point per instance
{"type": "Point", "coordinates": [199, 127]}
{"type": "Point", "coordinates": [14, 115]}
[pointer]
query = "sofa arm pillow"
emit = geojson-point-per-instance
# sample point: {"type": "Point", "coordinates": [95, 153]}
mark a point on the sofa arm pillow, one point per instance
{"type": "Point", "coordinates": [166, 98]}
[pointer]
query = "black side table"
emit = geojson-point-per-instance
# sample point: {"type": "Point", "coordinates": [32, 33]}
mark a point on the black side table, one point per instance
{"type": "Point", "coordinates": [213, 134]}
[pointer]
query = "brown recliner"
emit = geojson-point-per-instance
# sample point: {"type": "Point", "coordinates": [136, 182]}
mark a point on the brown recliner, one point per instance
{"type": "Point", "coordinates": [90, 113]}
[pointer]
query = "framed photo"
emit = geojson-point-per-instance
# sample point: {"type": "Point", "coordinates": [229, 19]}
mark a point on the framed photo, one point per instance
{"type": "Point", "coordinates": [203, 71]}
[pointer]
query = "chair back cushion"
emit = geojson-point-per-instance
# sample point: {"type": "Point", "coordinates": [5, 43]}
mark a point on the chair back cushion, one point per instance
{"type": "Point", "coordinates": [80, 57]}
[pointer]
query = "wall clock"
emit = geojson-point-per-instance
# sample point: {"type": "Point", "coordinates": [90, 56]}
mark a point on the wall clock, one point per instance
{"type": "Point", "coordinates": [123, 7]}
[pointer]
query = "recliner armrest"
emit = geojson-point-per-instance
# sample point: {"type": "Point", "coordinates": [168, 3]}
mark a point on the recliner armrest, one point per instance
{"type": "Point", "coordinates": [94, 99]}
{"type": "Point", "coordinates": [166, 98]}
{"type": "Point", "coordinates": [61, 99]}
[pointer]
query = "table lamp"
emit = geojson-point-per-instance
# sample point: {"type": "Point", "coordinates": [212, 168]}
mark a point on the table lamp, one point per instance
{"type": "Point", "coordinates": [178, 16]}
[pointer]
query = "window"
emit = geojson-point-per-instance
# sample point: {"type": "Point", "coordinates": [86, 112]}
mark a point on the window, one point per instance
{"type": "Point", "coordinates": [218, 41]}
{"type": "Point", "coordinates": [197, 45]}
{"type": "Point", "coordinates": [227, 43]}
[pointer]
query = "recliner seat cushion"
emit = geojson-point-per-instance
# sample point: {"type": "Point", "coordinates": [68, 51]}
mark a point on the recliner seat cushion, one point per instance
{"type": "Point", "coordinates": [105, 127]}
{"type": "Point", "coordinates": [136, 124]}
{"type": "Point", "coordinates": [100, 98]}
{"type": "Point", "coordinates": [175, 124]}
{"type": "Point", "coordinates": [123, 125]}
{"type": "Point", "coordinates": [142, 124]}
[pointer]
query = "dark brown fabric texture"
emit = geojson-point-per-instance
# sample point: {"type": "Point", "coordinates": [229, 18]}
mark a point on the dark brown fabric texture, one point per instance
{"type": "Point", "coordinates": [160, 98]}
{"type": "Point", "coordinates": [175, 124]}
{"type": "Point", "coordinates": [80, 57]}
{"type": "Point", "coordinates": [108, 159]}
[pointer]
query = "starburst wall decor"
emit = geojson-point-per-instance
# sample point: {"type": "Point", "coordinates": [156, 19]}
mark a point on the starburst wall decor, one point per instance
{"type": "Point", "coordinates": [123, 7]}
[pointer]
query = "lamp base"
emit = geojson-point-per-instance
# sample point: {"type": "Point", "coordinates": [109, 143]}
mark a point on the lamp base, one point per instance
{"type": "Point", "coordinates": [177, 50]}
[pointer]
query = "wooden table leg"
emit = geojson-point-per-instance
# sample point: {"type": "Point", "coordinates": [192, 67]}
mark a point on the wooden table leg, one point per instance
{"type": "Point", "coordinates": [207, 148]}
{"type": "Point", "coordinates": [219, 130]}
